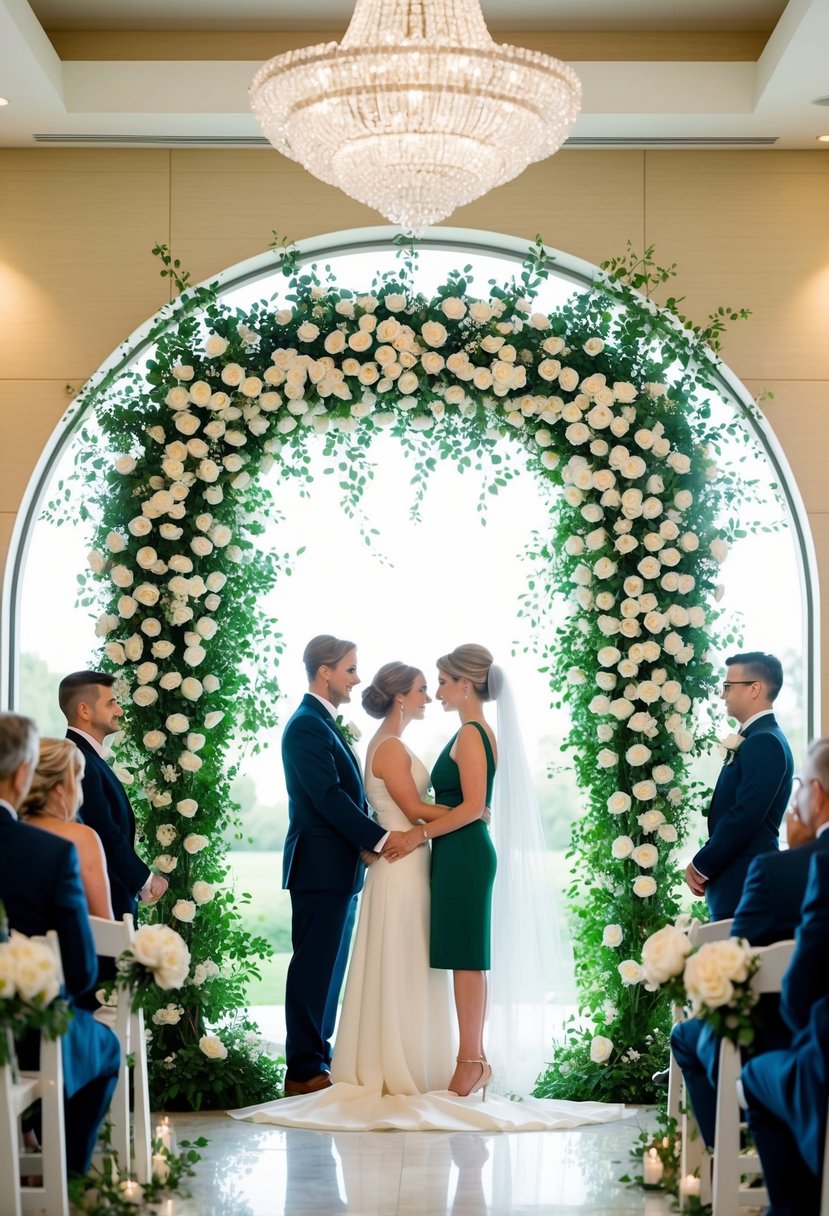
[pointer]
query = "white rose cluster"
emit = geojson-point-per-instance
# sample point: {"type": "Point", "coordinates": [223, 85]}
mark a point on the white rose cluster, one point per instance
{"type": "Point", "coordinates": [164, 952]}
{"type": "Point", "coordinates": [28, 970]}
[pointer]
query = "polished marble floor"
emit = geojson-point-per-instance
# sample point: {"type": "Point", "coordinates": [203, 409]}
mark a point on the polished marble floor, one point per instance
{"type": "Point", "coordinates": [255, 1170]}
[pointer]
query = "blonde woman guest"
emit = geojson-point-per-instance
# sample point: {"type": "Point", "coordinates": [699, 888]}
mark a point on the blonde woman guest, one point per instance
{"type": "Point", "coordinates": [395, 1033]}
{"type": "Point", "coordinates": [463, 856]}
{"type": "Point", "coordinates": [53, 803]}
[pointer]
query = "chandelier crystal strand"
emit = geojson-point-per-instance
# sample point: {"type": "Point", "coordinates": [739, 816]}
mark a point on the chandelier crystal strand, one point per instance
{"type": "Point", "coordinates": [417, 111]}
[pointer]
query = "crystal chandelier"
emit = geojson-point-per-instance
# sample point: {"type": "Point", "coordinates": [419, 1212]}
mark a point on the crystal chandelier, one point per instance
{"type": "Point", "coordinates": [417, 111]}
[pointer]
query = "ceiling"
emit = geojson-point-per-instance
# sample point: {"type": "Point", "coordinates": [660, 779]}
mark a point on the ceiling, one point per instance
{"type": "Point", "coordinates": [655, 73]}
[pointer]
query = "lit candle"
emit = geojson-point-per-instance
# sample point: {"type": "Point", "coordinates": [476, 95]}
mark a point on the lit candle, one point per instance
{"type": "Point", "coordinates": [164, 1133]}
{"type": "Point", "coordinates": [652, 1168]}
{"type": "Point", "coordinates": [161, 1170]}
{"type": "Point", "coordinates": [691, 1186]}
{"type": "Point", "coordinates": [131, 1192]}
{"type": "Point", "coordinates": [170, 1208]}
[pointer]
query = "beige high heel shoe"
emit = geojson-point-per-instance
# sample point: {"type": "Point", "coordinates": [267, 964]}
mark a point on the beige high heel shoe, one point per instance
{"type": "Point", "coordinates": [482, 1082]}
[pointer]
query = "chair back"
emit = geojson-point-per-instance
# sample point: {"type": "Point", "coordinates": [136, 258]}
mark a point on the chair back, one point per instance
{"type": "Point", "coordinates": [713, 931]}
{"type": "Point", "coordinates": [774, 961]}
{"type": "Point", "coordinates": [112, 937]}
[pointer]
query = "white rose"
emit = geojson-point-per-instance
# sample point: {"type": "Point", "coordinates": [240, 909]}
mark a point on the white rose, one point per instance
{"type": "Point", "coordinates": [612, 936]}
{"type": "Point", "coordinates": [637, 755]}
{"type": "Point", "coordinates": [191, 688]}
{"type": "Point", "coordinates": [195, 843]}
{"type": "Point", "coordinates": [645, 855]}
{"type": "Point", "coordinates": [644, 791]}
{"type": "Point", "coordinates": [719, 549]}
{"type": "Point", "coordinates": [184, 910]}
{"type": "Point", "coordinates": [145, 673]}
{"type": "Point", "coordinates": [145, 696]}
{"type": "Point", "coordinates": [630, 972]}
{"type": "Point", "coordinates": [213, 1047]}
{"type": "Point", "coordinates": [618, 803]}
{"type": "Point", "coordinates": [621, 708]}
{"type": "Point", "coordinates": [667, 832]}
{"type": "Point", "coordinates": [621, 847]}
{"type": "Point", "coordinates": [664, 954]}
{"type": "Point", "coordinates": [608, 656]}
{"type": "Point", "coordinates": [202, 892]}
{"type": "Point", "coordinates": [679, 462]}
{"type": "Point", "coordinates": [187, 807]}
{"type": "Point", "coordinates": [607, 758]}
{"type": "Point", "coordinates": [189, 761]}
{"type": "Point", "coordinates": [177, 724]}
{"type": "Point", "coordinates": [601, 1049]}
{"type": "Point", "coordinates": [663, 774]}
{"type": "Point", "coordinates": [649, 821]}
{"type": "Point", "coordinates": [644, 886]}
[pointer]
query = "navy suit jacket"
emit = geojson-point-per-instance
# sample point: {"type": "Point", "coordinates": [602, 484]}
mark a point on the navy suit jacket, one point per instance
{"type": "Point", "coordinates": [747, 806]}
{"type": "Point", "coordinates": [40, 885]}
{"type": "Point", "coordinates": [328, 815]}
{"type": "Point", "coordinates": [800, 1074]}
{"type": "Point", "coordinates": [106, 808]}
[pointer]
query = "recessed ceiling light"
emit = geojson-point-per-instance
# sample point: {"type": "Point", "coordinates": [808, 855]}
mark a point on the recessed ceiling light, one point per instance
{"type": "Point", "coordinates": [4, 101]}
{"type": "Point", "coordinates": [824, 139]}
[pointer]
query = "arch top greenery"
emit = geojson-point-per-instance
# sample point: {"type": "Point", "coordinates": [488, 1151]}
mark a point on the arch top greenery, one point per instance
{"type": "Point", "coordinates": [604, 400]}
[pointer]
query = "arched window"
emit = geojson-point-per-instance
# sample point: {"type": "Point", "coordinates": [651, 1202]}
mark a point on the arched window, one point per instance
{"type": "Point", "coordinates": [417, 590]}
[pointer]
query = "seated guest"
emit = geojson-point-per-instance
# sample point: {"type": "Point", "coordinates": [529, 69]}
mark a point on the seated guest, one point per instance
{"type": "Point", "coordinates": [40, 887]}
{"type": "Point", "coordinates": [52, 804]}
{"type": "Point", "coordinates": [769, 911]}
{"type": "Point", "coordinates": [787, 1091]}
{"type": "Point", "coordinates": [92, 712]}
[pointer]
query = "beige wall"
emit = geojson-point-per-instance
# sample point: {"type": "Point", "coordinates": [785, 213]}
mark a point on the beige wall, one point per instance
{"type": "Point", "coordinates": [749, 229]}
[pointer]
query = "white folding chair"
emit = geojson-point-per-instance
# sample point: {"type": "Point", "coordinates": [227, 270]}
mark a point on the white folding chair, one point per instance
{"type": "Point", "coordinates": [693, 1158]}
{"type": "Point", "coordinates": [45, 1085]}
{"type": "Point", "coordinates": [112, 938]}
{"type": "Point", "coordinates": [730, 1165]}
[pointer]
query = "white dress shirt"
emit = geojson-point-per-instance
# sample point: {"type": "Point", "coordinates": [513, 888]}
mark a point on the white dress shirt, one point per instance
{"type": "Point", "coordinates": [94, 743]}
{"type": "Point", "coordinates": [750, 721]}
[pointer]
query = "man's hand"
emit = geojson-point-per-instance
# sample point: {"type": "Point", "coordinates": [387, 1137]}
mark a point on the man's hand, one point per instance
{"type": "Point", "coordinates": [154, 889]}
{"type": "Point", "coordinates": [695, 880]}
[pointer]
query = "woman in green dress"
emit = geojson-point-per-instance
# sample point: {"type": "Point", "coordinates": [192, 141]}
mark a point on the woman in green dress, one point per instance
{"type": "Point", "coordinates": [463, 857]}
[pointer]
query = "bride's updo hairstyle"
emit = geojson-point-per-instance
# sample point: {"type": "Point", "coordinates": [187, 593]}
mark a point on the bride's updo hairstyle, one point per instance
{"type": "Point", "coordinates": [392, 680]}
{"type": "Point", "coordinates": [469, 662]}
{"type": "Point", "coordinates": [324, 651]}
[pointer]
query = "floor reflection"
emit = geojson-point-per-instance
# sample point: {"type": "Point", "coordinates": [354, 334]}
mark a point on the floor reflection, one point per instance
{"type": "Point", "coordinates": [253, 1170]}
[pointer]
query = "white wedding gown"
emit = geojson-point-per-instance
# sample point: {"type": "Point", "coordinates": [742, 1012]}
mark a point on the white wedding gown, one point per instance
{"type": "Point", "coordinates": [396, 1043]}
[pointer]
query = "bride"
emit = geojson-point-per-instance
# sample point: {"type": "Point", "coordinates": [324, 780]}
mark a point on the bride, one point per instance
{"type": "Point", "coordinates": [395, 1046]}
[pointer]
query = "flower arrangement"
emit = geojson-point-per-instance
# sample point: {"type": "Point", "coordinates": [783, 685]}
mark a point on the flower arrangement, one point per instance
{"type": "Point", "coordinates": [599, 400]}
{"type": "Point", "coordinates": [30, 986]}
{"type": "Point", "coordinates": [713, 979]}
{"type": "Point", "coordinates": [159, 958]}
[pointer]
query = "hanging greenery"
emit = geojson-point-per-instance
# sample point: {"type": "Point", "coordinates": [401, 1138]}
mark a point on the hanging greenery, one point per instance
{"type": "Point", "coordinates": [603, 400]}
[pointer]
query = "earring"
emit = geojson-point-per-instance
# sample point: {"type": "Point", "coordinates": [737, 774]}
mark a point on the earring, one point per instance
{"type": "Point", "coordinates": [465, 691]}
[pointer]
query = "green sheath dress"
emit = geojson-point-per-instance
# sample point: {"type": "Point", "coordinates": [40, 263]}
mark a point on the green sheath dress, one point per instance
{"type": "Point", "coordinates": [463, 872]}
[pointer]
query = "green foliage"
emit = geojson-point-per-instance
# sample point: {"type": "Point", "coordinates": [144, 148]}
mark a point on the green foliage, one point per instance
{"type": "Point", "coordinates": [606, 402]}
{"type": "Point", "coordinates": [108, 1191]}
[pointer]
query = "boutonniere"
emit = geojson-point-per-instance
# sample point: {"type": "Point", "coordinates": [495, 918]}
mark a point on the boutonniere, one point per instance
{"type": "Point", "coordinates": [729, 746]}
{"type": "Point", "coordinates": [347, 731]}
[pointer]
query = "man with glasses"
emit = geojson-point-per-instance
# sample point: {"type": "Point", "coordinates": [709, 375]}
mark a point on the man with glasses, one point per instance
{"type": "Point", "coordinates": [752, 790]}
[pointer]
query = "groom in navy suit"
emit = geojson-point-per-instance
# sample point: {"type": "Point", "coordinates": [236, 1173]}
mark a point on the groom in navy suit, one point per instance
{"type": "Point", "coordinates": [753, 789]}
{"type": "Point", "coordinates": [40, 886]}
{"type": "Point", "coordinates": [330, 839]}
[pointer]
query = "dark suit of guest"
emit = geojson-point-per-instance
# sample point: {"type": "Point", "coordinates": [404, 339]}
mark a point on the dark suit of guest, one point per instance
{"type": "Point", "coordinates": [787, 1091]}
{"type": "Point", "coordinates": [106, 808]}
{"type": "Point", "coordinates": [769, 912]}
{"type": "Point", "coordinates": [747, 806]}
{"type": "Point", "coordinates": [328, 827]}
{"type": "Point", "coordinates": [40, 885]}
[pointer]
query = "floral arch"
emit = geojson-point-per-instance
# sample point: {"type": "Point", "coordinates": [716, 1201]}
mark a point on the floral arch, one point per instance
{"type": "Point", "coordinates": [604, 398]}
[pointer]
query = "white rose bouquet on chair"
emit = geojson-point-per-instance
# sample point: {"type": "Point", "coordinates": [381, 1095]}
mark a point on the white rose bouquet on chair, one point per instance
{"type": "Point", "coordinates": [159, 956]}
{"type": "Point", "coordinates": [713, 979]}
{"type": "Point", "coordinates": [30, 992]}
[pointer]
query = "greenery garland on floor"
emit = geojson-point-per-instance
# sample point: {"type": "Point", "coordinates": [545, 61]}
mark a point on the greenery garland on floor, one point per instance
{"type": "Point", "coordinates": [604, 400]}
